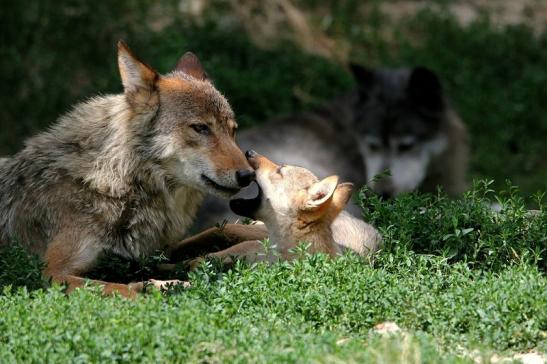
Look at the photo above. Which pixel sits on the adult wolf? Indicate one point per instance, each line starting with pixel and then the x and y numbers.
pixel 395 119
pixel 122 173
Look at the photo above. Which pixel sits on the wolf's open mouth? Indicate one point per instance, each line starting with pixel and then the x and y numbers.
pixel 247 206
pixel 216 186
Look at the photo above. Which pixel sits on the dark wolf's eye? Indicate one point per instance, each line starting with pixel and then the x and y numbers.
pixel 374 146
pixel 373 143
pixel 201 128
pixel 405 147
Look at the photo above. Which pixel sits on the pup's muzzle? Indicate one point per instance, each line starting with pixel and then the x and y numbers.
pixel 258 161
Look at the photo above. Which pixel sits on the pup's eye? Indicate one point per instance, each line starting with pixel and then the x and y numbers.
pixel 278 170
pixel 201 128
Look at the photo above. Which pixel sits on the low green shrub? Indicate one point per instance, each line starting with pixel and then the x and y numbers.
pixel 467 230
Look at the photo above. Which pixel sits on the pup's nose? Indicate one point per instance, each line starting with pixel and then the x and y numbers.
pixel 245 177
pixel 250 154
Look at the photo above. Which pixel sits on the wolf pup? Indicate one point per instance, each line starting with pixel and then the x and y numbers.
pixel 395 119
pixel 295 207
pixel 122 173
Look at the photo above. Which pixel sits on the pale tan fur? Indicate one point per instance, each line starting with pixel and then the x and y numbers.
pixel 296 208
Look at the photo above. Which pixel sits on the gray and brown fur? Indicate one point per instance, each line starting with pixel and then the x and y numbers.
pixel 122 173
pixel 390 107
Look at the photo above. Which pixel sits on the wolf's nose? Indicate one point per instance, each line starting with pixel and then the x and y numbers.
pixel 245 177
pixel 385 195
pixel 250 154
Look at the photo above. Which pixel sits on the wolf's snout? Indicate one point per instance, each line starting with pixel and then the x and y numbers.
pixel 245 177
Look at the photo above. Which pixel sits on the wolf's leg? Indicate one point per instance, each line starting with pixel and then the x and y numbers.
pixel 71 254
pixel 215 239
pixel 250 251
pixel 109 288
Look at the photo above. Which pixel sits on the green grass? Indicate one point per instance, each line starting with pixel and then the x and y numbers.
pixel 464 230
pixel 288 312
pixel 489 295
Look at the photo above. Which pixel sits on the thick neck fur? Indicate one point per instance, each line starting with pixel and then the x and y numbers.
pixel 98 143
pixel 449 169
pixel 316 233
pixel 90 169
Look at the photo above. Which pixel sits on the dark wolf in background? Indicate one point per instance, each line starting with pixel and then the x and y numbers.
pixel 395 119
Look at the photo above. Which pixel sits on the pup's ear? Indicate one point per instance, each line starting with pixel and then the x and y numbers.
pixel 189 64
pixel 138 79
pixel 319 198
pixel 425 90
pixel 340 198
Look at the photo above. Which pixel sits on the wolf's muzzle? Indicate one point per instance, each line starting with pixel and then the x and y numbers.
pixel 247 206
pixel 245 177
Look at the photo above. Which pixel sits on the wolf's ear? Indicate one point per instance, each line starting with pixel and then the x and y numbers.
pixel 319 198
pixel 135 74
pixel 425 90
pixel 365 80
pixel 190 64
pixel 363 75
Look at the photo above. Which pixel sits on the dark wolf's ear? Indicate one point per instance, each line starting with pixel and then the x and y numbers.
pixel 365 80
pixel 138 78
pixel 425 90
pixel 189 64
pixel 363 75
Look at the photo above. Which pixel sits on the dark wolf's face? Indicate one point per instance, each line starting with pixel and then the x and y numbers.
pixel 397 122
pixel 192 133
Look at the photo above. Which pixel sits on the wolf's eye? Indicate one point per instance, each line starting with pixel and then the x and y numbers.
pixel 405 147
pixel 374 147
pixel 201 128
pixel 373 143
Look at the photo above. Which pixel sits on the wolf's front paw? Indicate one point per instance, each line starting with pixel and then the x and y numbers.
pixel 194 263
pixel 163 285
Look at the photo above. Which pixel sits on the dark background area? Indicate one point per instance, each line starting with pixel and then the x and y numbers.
pixel 271 58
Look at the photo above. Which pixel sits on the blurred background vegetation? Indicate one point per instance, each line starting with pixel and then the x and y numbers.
pixel 278 56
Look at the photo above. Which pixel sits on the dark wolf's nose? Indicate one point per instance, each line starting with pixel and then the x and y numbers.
pixel 245 177
pixel 385 195
pixel 250 154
